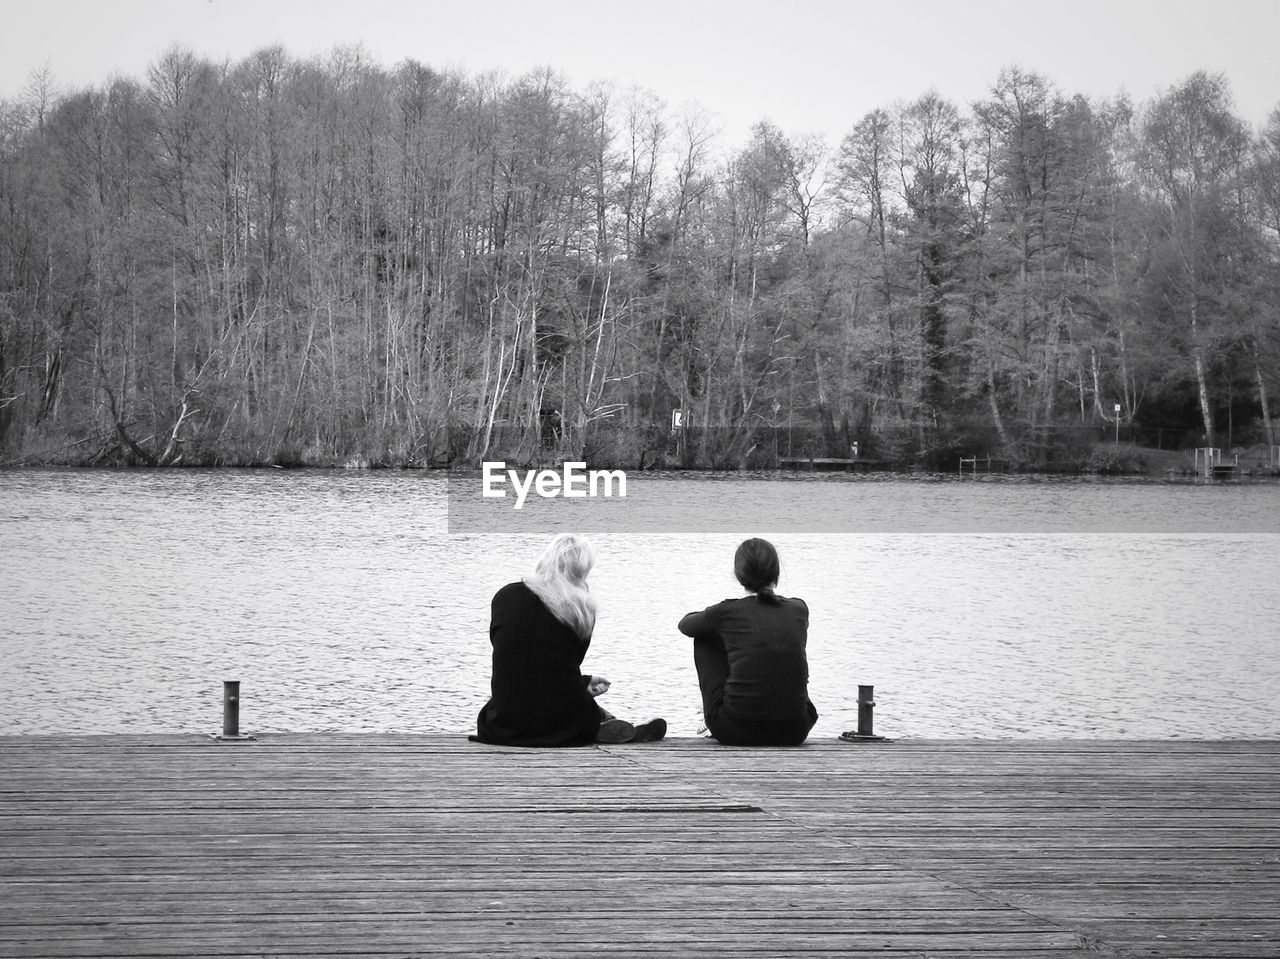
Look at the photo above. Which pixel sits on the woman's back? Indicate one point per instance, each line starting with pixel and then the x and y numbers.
pixel 539 695
pixel 764 644
pixel 768 668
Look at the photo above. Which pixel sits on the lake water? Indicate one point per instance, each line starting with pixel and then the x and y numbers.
pixel 358 601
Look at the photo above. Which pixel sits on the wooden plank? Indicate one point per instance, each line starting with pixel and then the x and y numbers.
pixel 1088 834
pixel 416 845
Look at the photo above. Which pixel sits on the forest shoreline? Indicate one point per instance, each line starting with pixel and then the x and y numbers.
pixel 1103 459
pixel 327 262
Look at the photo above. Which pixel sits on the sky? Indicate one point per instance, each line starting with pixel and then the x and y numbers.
pixel 806 65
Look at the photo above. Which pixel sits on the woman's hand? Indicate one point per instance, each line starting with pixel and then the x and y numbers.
pixel 598 686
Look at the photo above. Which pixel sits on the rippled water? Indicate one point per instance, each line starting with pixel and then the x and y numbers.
pixel 341 601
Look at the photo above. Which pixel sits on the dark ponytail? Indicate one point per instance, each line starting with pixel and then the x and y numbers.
pixel 755 564
pixel 767 595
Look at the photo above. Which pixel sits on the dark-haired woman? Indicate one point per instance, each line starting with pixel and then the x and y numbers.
pixel 750 657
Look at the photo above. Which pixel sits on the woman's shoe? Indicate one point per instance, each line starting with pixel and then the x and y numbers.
pixel 650 732
pixel 615 731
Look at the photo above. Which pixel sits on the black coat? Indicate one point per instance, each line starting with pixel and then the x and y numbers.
pixel 539 693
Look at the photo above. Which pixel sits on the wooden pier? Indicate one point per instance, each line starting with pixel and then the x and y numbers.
pixel 829 463
pixel 400 846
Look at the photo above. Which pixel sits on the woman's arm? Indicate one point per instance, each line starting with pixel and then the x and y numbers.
pixel 700 623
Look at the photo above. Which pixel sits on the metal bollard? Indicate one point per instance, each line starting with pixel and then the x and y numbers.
pixel 865 732
pixel 231 713
pixel 231 708
pixel 866 705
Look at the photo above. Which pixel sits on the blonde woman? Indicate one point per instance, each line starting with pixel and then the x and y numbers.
pixel 540 628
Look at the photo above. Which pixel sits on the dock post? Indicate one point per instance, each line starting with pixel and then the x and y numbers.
pixel 865 732
pixel 866 706
pixel 231 708
pixel 231 713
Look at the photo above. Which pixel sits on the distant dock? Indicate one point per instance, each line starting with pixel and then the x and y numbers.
pixel 859 465
pixel 427 845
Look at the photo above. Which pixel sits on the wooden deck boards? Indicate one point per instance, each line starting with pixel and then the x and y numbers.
pixel 365 845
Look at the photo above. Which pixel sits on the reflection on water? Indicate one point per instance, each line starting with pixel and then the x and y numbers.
pixel 341 602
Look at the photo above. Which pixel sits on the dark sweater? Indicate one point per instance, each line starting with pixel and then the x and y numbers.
pixel 539 693
pixel 765 646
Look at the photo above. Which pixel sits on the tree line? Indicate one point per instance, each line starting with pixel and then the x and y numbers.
pixel 326 261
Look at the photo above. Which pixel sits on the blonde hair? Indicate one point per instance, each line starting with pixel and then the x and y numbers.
pixel 559 579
